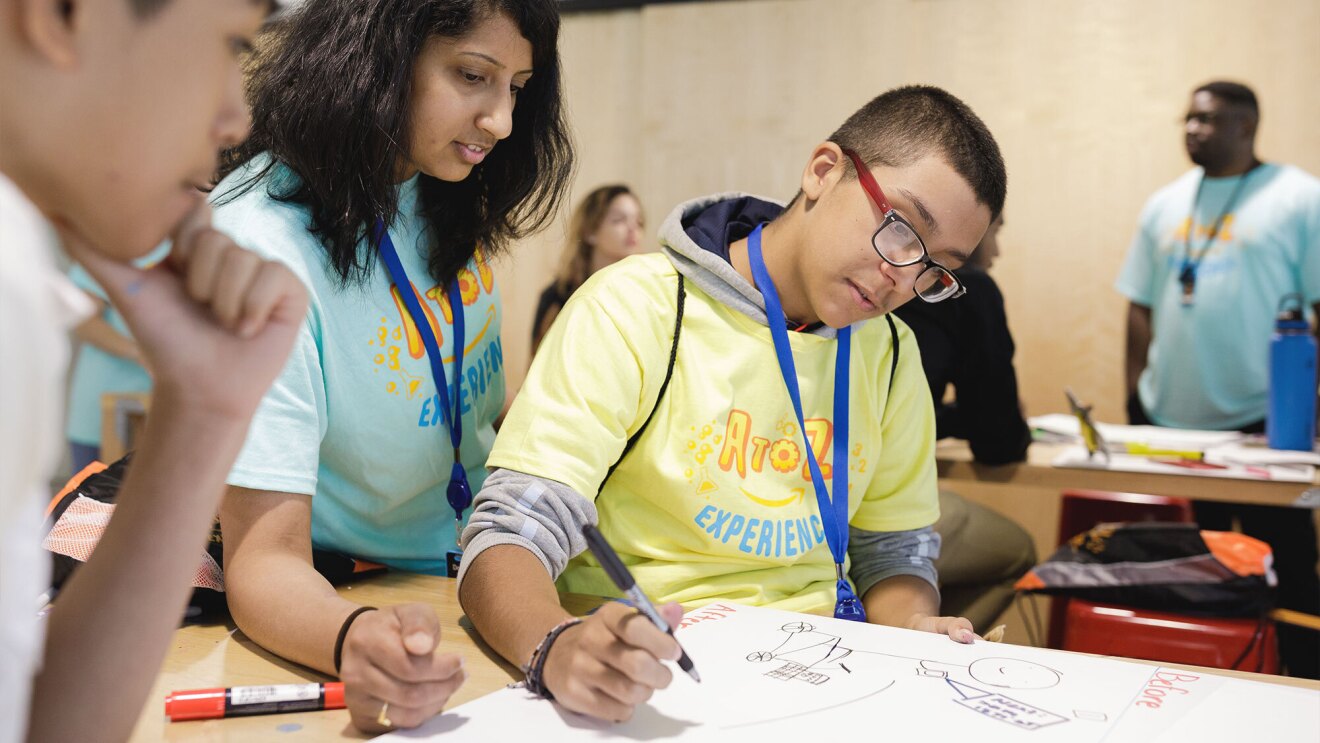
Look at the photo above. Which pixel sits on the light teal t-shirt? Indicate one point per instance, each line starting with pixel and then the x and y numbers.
pixel 354 419
pixel 1208 364
pixel 98 372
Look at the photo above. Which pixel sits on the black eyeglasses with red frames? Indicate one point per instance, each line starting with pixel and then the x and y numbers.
pixel 898 243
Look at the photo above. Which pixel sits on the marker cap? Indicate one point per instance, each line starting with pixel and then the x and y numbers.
pixel 199 704
pixel 334 696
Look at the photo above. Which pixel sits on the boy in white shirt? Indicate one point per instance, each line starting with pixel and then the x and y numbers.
pixel 111 115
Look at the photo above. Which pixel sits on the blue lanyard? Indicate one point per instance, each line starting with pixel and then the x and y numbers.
pixel 459 492
pixel 833 511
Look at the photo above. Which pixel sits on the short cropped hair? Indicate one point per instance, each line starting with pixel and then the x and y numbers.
pixel 905 124
pixel 1234 94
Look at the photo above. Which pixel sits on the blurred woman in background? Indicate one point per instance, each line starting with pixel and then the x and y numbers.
pixel 606 227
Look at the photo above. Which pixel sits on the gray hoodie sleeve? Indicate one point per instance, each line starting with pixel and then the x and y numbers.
pixel 877 555
pixel 546 518
pixel 540 515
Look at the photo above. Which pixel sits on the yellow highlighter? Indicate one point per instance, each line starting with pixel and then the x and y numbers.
pixel 1146 450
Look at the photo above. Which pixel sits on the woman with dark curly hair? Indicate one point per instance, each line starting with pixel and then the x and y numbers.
pixel 397 147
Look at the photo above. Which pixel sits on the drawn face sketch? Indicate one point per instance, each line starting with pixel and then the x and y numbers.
pixel 1008 673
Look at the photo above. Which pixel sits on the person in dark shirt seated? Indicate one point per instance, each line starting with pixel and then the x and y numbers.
pixel 966 343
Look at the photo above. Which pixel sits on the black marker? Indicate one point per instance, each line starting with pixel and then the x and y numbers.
pixel 618 573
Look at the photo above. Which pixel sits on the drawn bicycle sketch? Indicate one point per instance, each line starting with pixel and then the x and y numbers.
pixel 808 655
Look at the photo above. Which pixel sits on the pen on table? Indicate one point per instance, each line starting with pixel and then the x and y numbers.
pixel 618 573
pixel 238 701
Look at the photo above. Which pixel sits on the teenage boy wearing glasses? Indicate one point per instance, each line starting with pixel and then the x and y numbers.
pixel 1216 251
pixel 726 494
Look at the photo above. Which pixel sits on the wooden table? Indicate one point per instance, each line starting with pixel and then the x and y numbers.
pixel 218 655
pixel 209 656
pixel 954 461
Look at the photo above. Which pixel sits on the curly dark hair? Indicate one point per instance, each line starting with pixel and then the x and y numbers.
pixel 329 86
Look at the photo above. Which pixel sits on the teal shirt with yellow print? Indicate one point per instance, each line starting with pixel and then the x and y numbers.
pixel 1208 362
pixel 354 420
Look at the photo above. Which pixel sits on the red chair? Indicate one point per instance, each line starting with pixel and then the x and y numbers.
pixel 1083 509
pixel 1106 629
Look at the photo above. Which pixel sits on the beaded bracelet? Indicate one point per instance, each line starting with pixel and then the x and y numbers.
pixel 535 667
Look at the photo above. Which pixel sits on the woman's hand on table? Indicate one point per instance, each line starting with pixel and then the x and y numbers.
pixel 393 678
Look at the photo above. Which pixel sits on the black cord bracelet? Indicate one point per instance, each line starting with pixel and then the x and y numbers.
pixel 343 633
pixel 535 668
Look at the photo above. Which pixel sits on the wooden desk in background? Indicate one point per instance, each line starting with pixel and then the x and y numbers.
pixel 954 461
pixel 217 655
pixel 1030 493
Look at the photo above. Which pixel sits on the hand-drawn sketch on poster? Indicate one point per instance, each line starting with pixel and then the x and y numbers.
pixel 771 675
pixel 806 654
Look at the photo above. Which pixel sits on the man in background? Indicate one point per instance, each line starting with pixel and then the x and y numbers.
pixel 1215 253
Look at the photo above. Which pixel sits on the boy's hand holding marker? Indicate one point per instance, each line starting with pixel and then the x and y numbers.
pixel 612 661
pixel 391 672
pixel 214 321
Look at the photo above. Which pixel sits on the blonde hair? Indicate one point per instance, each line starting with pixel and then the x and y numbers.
pixel 575 263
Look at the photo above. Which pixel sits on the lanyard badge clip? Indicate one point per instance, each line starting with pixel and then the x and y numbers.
pixel 846 604
pixel 459 495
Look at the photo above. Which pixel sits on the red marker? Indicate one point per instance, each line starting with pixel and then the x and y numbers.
pixel 237 701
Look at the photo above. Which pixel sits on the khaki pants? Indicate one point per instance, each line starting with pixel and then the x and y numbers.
pixel 982 556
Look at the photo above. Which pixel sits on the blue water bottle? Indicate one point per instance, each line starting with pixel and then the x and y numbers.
pixel 1291 421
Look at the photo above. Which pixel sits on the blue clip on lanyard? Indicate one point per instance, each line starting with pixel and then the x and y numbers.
pixel 833 511
pixel 459 492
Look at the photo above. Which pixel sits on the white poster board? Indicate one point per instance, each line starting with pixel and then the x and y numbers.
pixel 770 675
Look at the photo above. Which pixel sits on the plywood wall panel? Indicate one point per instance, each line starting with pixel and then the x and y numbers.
pixel 1085 97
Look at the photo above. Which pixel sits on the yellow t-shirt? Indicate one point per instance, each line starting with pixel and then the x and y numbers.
pixel 715 500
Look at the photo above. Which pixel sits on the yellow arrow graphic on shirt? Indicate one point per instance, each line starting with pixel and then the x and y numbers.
pixel 797 494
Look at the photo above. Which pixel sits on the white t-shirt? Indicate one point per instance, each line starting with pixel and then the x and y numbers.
pixel 38 305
